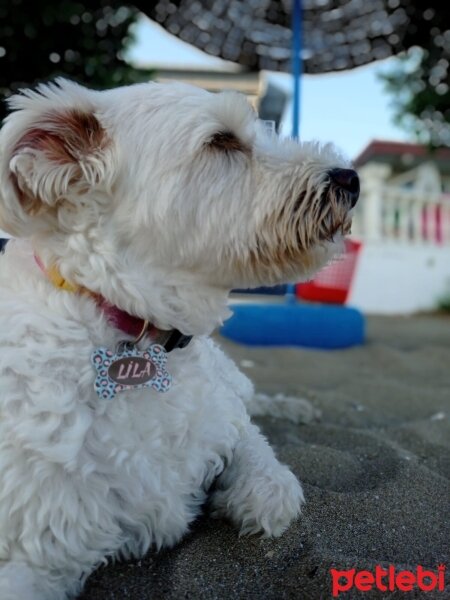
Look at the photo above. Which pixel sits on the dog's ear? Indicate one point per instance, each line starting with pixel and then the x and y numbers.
pixel 54 149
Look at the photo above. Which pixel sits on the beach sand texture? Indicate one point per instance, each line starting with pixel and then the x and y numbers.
pixel 375 468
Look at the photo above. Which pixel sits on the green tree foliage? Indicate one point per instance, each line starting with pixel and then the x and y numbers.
pixel 419 80
pixel 82 40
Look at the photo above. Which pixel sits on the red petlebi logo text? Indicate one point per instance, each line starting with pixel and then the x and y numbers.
pixel 387 580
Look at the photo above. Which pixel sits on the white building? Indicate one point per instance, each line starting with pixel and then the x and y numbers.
pixel 403 220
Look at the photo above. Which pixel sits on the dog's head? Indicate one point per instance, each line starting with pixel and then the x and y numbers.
pixel 164 197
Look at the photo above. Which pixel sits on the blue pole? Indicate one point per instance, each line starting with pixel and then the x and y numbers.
pixel 296 63
pixel 296 73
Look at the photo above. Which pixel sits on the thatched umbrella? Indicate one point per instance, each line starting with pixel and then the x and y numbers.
pixel 337 34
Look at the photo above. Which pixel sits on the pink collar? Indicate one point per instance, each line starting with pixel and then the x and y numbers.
pixel 122 320
pixel 128 324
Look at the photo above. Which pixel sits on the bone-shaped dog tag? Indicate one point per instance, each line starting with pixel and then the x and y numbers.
pixel 129 368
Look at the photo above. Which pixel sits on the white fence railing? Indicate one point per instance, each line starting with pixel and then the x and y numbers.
pixel 392 213
pixel 411 217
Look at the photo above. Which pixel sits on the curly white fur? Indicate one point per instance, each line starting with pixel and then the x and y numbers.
pixel 126 192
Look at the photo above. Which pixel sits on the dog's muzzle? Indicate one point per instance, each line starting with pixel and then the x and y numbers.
pixel 346 180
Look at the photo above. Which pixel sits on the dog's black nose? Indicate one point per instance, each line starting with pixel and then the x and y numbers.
pixel 348 180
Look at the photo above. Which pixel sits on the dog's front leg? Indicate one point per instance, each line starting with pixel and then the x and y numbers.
pixel 21 581
pixel 255 491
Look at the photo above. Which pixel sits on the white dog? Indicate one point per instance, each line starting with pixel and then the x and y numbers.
pixel 138 209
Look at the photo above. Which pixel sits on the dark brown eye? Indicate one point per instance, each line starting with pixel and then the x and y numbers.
pixel 227 142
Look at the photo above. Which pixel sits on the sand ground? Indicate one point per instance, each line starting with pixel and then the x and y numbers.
pixel 375 469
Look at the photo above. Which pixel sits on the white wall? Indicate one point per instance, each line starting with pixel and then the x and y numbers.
pixel 396 278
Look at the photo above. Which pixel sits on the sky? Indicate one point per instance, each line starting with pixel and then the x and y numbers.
pixel 349 109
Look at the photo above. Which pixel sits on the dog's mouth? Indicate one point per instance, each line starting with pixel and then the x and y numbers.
pixel 333 217
pixel 325 218
pixel 294 240
pixel 334 229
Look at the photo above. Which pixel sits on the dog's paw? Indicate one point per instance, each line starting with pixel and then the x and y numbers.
pixel 264 504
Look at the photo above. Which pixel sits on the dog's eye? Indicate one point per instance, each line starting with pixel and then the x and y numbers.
pixel 226 142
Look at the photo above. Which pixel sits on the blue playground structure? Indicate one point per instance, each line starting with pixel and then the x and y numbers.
pixel 320 326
